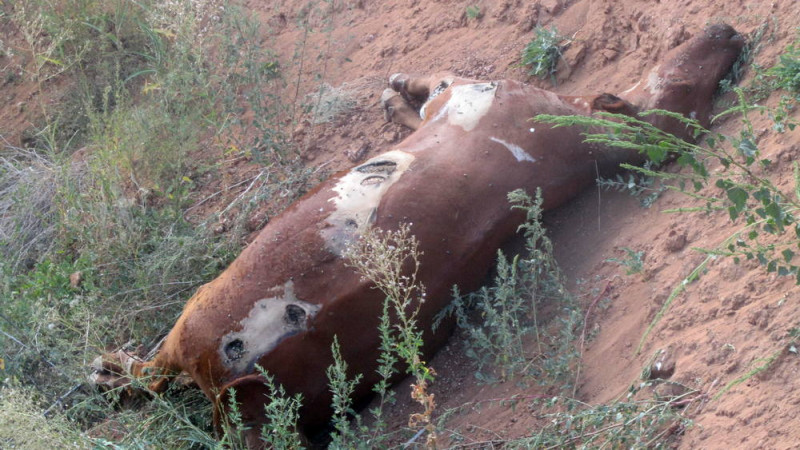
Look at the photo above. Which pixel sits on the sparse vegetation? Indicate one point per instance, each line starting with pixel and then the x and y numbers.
pixel 543 52
pixel 96 240
pixel 742 188
pixel 510 338
pixel 633 261
pixel 473 12
pixel 381 256
pixel 635 184
pixel 787 71
pixel 631 423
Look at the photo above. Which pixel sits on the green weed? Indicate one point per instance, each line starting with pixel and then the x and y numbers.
pixel 97 247
pixel 629 423
pixel 500 341
pixel 282 413
pixel 473 12
pixel 633 261
pixel 635 184
pixel 23 423
pixel 741 189
pixel 787 71
pixel 542 53
pixel 382 257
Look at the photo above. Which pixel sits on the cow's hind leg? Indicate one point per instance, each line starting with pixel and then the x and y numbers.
pixel 397 109
pixel 408 93
pixel 420 88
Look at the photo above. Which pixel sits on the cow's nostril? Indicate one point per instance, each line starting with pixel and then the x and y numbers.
pixel 235 349
pixel 294 314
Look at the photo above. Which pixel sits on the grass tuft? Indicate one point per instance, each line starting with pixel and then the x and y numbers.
pixel 543 52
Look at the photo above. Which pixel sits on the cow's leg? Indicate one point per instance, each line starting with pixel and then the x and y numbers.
pixel 397 109
pixel 420 88
pixel 119 369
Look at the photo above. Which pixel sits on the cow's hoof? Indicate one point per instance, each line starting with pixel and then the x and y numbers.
pixel 112 371
pixel 390 101
pixel 398 82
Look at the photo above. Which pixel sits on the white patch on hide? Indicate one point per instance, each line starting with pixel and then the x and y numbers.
pixel 270 321
pixel 439 114
pixel 515 150
pixel 654 81
pixel 468 104
pixel 630 89
pixel 360 192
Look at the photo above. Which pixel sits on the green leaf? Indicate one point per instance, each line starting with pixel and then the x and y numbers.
pixel 656 153
pixel 748 148
pixel 787 255
pixel 738 196
pixel 772 266
pixel 762 259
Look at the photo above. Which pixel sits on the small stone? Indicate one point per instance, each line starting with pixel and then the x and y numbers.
pixel 675 241
pixel 390 136
pixel 609 54
pixel 664 365
pixel 670 391
pixel 358 154
pixel 552 6
pixel 75 279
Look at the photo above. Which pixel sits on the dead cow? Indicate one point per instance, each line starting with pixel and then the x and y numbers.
pixel 282 301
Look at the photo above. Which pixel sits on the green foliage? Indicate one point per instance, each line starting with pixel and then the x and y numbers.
pixel 24 425
pixel 542 53
pixel 473 12
pixel 500 341
pixel 151 115
pixel 623 424
pixel 787 71
pixel 391 260
pixel 633 262
pixel 636 184
pixel 742 189
pixel 342 390
pixel 282 413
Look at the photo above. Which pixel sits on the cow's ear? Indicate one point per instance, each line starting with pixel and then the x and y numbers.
pixel 613 104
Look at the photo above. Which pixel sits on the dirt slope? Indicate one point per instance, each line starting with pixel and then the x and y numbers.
pixel 719 329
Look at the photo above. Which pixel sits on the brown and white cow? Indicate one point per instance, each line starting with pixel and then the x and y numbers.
pixel 282 301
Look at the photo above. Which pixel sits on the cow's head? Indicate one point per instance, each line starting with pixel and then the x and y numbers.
pixel 686 81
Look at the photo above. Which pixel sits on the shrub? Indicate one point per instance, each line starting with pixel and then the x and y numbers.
pixel 542 53
pixel 787 71
pixel 509 338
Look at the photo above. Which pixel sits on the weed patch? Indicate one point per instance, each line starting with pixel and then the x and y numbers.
pixel 510 338
pixel 542 53
pixel 96 243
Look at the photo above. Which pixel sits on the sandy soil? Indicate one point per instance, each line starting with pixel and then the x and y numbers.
pixel 719 329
